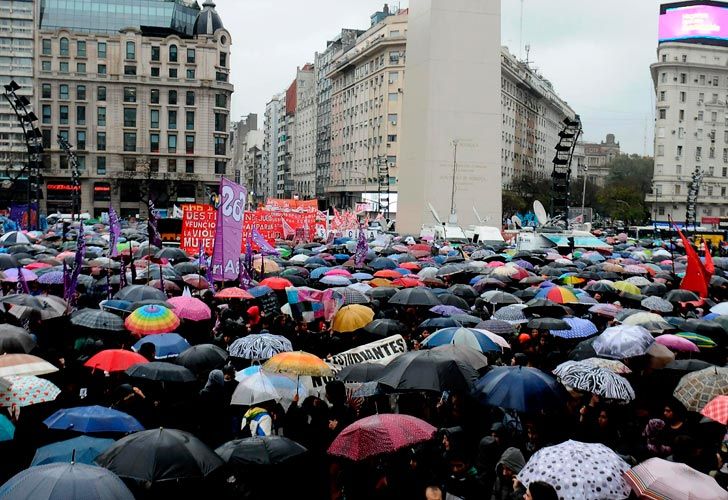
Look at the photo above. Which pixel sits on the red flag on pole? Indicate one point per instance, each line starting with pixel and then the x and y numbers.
pixel 696 277
pixel 709 266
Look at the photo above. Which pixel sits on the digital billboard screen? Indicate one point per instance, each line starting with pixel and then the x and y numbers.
pixel 693 22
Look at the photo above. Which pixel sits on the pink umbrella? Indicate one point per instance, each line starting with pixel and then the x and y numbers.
pixel 495 263
pixel 11 275
pixel 338 272
pixel 192 309
pixel 675 343
pixel 380 434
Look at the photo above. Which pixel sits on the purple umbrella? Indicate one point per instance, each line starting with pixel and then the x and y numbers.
pixel 51 278
pixel 11 275
pixel 444 310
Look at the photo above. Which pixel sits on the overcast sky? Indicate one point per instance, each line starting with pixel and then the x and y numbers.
pixel 596 53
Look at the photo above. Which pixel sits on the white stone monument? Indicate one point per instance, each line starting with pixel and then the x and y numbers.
pixel 452 101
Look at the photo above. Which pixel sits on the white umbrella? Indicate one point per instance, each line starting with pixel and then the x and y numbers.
pixel 623 341
pixel 262 386
pixel 259 346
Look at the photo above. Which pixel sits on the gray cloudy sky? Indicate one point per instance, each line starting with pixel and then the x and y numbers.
pixel 596 53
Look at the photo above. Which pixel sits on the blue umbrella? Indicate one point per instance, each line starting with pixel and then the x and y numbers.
pixel 527 390
pixel 462 336
pixel 362 276
pixel 342 257
pixel 7 429
pixel 93 419
pixel 259 291
pixel 82 449
pixel 65 480
pixel 168 345
pixel 382 263
pixel 580 328
pixel 51 278
pixel 335 280
pixel 319 272
pixel 403 271
pixel 443 310
pixel 116 305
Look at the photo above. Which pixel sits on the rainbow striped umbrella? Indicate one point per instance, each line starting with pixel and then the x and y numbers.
pixel 699 340
pixel 151 319
pixel 558 294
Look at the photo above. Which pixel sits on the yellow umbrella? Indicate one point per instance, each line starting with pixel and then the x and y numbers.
pixel 381 282
pixel 626 287
pixel 261 264
pixel 298 363
pixel 352 317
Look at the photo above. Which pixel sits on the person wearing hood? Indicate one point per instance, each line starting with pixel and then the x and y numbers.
pixel 507 487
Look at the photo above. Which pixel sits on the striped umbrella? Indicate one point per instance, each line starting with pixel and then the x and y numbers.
pixel 462 336
pixel 580 328
pixel 558 294
pixel 259 346
pixel 151 319
pixel 609 364
pixel 27 390
pixel 701 341
pixel 591 378
pixel 658 479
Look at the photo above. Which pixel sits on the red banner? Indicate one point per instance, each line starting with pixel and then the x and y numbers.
pixel 198 228
pixel 290 204
pixel 270 223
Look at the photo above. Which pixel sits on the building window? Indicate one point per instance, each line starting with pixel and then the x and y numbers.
pixel 190 166
pixel 172 53
pixel 172 143
pixel 393 96
pixel 220 143
pixel 393 57
pixel 46 113
pixel 663 114
pixel 129 94
pixel 80 115
pixel 101 50
pixel 190 74
pixel 46 92
pixel 190 120
pixel 662 95
pixel 81 48
pixel 660 150
pixel 392 138
pixel 221 77
pixel 681 115
pixel 130 70
pixel 100 165
pixel 63 112
pixel 155 72
pixel 154 143
pixel 47 51
pixel 101 117
pixel 80 139
pixel 64 46
pixel 220 101
pixel 678 169
pixel 154 118
pixel 172 119
pixel 661 210
pixel 173 72
pixel 45 65
pixel 698 153
pixel 392 118
pixel 154 164
pixel 190 144
pixel 700 116
pixel 130 141
pixel 101 94
pixel 393 76
pixel 101 69
pixel 191 56
pixel 223 59
pixel 172 97
pixel 220 122
pixel 683 78
pixel 101 141
pixel 81 92
pixel 220 167
pixel 63 159
pixel 155 52
pixel 130 51
pixel 130 117
pixel 81 162
pixel 63 67
pixel 172 165
pixel 154 96
pixel 190 98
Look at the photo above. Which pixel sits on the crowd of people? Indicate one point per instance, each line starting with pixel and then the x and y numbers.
pixel 554 350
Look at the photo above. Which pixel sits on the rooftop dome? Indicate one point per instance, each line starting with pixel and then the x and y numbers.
pixel 208 21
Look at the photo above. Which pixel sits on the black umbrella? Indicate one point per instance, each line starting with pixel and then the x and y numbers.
pixel 385 327
pixel 171 253
pixel 712 329
pixel 583 350
pixel 497 326
pixel 600 287
pixel 500 298
pixel 136 293
pixel 202 358
pixel 268 450
pixel 687 365
pixel 438 323
pixel 160 455
pixel 381 263
pixel 527 294
pixel 47 306
pixel 187 268
pixel 160 371
pixel 449 299
pixel 545 307
pixel 8 262
pixel 97 319
pixel 466 292
pixel 428 370
pixel 361 372
pixel 681 296
pixel 381 293
pixel 466 319
pixel 15 340
pixel 418 296
pixel 450 270
pixel 548 324
pixel 654 289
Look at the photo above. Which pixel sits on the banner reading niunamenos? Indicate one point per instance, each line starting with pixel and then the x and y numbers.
pixel 229 231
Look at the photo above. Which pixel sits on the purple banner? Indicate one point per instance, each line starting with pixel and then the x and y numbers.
pixel 229 231
pixel 699 21
pixel 19 215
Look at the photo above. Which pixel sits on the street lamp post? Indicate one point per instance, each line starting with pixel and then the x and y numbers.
pixel 453 217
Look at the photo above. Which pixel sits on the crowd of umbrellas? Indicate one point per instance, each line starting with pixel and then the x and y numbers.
pixel 521 334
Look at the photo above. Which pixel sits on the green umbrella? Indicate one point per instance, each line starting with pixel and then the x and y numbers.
pixel 699 340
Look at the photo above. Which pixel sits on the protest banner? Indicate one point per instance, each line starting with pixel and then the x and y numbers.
pixel 198 228
pixel 270 223
pixel 229 231
pixel 291 204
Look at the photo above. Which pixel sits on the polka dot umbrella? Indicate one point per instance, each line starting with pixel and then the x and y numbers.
pixel 578 470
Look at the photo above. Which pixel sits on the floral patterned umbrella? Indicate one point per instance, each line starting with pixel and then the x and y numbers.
pixel 26 390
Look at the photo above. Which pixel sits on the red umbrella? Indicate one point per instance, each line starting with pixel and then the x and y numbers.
pixel 411 266
pixel 717 409
pixel 387 273
pixel 407 282
pixel 233 293
pixel 276 283
pixel 114 360
pixel 378 434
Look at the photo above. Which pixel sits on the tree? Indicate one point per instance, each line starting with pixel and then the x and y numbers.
pixel 629 182
pixel 523 191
